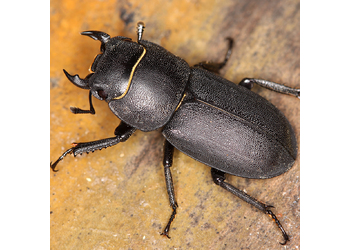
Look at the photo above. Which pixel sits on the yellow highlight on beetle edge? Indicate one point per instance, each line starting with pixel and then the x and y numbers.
pixel 132 73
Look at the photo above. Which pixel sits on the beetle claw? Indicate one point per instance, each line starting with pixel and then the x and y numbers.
pixel 286 238
pixel 52 166
pixel 97 35
pixel 166 233
pixel 285 242
pixel 77 81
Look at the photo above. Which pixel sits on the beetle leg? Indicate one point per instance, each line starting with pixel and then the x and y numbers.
pixel 249 82
pixel 216 66
pixel 122 133
pixel 167 163
pixel 75 110
pixel 219 179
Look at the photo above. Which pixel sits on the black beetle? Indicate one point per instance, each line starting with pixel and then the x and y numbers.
pixel 225 126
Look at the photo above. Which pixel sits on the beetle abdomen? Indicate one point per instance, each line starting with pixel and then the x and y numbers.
pixel 231 129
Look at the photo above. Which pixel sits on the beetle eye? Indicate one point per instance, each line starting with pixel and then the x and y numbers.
pixel 101 93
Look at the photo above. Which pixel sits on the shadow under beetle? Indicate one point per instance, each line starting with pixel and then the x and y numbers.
pixel 225 126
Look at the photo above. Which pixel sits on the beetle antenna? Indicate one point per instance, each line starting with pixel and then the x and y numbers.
pixel 140 28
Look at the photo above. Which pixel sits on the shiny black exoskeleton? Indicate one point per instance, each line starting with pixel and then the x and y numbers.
pixel 225 126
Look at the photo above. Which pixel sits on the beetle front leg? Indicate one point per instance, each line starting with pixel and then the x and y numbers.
pixel 219 179
pixel 122 133
pixel 76 110
pixel 167 163
pixel 280 88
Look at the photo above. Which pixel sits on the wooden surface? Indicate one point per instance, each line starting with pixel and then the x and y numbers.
pixel 116 198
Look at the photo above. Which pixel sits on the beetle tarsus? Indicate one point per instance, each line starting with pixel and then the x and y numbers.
pixel 219 179
pixel 167 163
pixel 122 133
pixel 166 232
pixel 75 110
pixel 53 166
pixel 172 217
pixel 274 218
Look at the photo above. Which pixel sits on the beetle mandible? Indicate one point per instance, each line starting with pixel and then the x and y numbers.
pixel 225 126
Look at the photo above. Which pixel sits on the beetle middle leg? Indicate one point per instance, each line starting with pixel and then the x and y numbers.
pixel 219 179
pixel 277 87
pixel 216 66
pixel 122 133
pixel 167 163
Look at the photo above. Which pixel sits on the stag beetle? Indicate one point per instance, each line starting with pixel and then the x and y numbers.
pixel 223 125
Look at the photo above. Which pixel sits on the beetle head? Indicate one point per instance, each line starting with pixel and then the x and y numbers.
pixel 112 69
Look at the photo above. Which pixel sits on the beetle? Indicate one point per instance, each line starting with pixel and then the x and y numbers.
pixel 223 125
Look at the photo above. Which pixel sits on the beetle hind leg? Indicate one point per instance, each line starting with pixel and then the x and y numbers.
pixel 219 179
pixel 216 66
pixel 167 163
